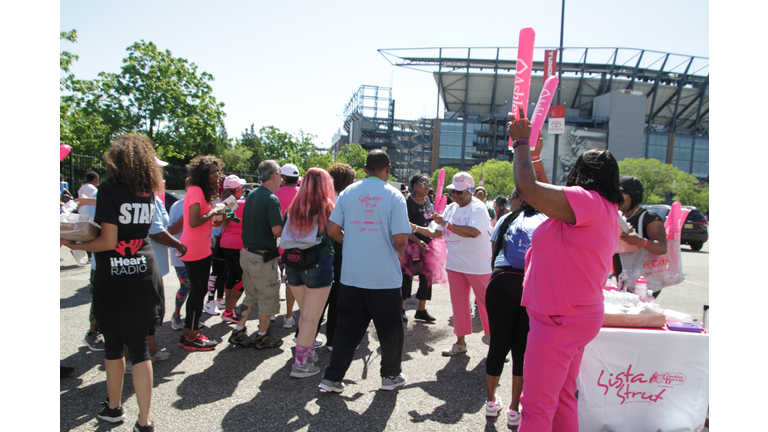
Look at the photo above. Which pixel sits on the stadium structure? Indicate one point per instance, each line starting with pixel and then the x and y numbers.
pixel 635 102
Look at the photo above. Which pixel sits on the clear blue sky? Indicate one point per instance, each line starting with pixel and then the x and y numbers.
pixel 295 65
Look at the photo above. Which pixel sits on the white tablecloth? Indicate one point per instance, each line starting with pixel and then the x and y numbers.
pixel 644 380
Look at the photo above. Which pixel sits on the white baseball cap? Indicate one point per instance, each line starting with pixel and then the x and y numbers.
pixel 462 181
pixel 233 182
pixel 290 170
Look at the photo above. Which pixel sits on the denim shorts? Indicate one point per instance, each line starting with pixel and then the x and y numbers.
pixel 320 276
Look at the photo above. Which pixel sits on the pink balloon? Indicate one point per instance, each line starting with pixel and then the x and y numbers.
pixel 542 108
pixel 439 201
pixel 523 72
pixel 64 151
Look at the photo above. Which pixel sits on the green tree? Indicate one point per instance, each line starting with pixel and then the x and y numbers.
pixel 497 177
pixel 163 97
pixel 287 148
pixel 250 140
pixel 354 155
pixel 660 179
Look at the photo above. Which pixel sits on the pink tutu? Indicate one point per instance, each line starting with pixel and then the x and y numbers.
pixel 431 263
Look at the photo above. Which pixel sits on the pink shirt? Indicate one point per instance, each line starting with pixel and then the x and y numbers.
pixel 232 234
pixel 197 240
pixel 286 194
pixel 567 265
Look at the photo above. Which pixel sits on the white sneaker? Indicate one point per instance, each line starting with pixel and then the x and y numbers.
pixel 493 407
pixel 176 322
pixel 221 304
pixel 272 318
pixel 513 417
pixel 211 309
pixel 288 322
pixel 160 355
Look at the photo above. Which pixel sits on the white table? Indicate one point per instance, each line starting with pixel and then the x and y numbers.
pixel 644 380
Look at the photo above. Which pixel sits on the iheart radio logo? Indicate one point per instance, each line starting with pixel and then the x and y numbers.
pixel 131 246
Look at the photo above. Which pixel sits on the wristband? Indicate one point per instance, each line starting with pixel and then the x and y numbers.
pixel 520 142
pixel 644 243
pixel 413 231
pixel 535 157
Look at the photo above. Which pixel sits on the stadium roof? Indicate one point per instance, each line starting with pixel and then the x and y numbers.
pixel 478 81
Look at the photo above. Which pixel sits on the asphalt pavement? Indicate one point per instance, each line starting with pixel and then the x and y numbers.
pixel 237 389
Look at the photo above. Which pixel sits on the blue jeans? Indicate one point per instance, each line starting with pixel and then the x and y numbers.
pixel 319 276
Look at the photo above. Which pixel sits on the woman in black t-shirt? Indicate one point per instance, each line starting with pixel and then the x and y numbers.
pixel 128 296
pixel 654 238
pixel 416 259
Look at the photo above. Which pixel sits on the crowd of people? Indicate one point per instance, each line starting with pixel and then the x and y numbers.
pixel 320 231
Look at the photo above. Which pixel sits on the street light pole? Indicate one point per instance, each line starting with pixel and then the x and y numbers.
pixel 559 87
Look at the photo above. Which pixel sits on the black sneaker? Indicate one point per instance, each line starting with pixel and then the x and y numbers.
pixel 112 415
pixel 148 428
pixel 240 337
pixel 199 343
pixel 424 316
pixel 405 318
pixel 266 341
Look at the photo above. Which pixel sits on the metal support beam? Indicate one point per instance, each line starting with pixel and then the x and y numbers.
pixel 653 102
pixel 696 123
pixel 680 86
pixel 439 84
pixel 577 96
pixel 631 85
pixel 613 67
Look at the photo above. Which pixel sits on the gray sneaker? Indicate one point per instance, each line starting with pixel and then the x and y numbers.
pixel 332 386
pixel 391 383
pixel 94 340
pixel 176 322
pixel 313 359
pixel 308 370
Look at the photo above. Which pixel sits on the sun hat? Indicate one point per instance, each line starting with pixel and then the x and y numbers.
pixel 462 181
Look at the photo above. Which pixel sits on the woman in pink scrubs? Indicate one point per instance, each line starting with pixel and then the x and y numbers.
pixel 566 268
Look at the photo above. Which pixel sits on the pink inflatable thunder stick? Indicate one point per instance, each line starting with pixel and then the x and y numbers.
pixel 523 73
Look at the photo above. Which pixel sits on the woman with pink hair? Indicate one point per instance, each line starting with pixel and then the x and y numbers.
pixel 304 229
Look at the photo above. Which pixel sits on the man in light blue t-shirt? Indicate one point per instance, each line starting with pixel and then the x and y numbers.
pixel 370 220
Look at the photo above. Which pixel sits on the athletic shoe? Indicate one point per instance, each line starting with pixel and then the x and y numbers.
pixel 332 386
pixel 302 372
pixel 94 340
pixel 176 322
pixel 128 367
pixel 455 349
pixel 288 322
pixel 160 355
pixel 272 318
pixel 240 337
pixel 330 348
pixel 199 343
pixel 210 308
pixel 148 428
pixel 492 408
pixel 266 341
pixel 230 316
pixel 313 359
pixel 405 318
pixel 112 415
pixel 513 417
pixel 423 315
pixel 393 382
pixel 221 304
pixel 66 371
pixel 318 342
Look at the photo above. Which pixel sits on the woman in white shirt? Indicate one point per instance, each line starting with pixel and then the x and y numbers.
pixel 467 230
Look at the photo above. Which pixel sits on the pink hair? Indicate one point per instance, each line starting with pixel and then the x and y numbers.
pixel 316 198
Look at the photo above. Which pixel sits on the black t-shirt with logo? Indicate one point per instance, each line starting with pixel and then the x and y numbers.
pixel 634 221
pixel 128 293
pixel 416 215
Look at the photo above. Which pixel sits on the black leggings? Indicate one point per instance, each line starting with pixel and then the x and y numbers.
pixel 136 342
pixel 425 287
pixel 508 321
pixel 234 271
pixel 218 269
pixel 198 272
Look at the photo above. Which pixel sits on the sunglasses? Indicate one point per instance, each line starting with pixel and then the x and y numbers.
pixel 454 191
pixel 424 183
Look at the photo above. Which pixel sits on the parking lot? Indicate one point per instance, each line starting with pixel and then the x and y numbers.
pixel 236 389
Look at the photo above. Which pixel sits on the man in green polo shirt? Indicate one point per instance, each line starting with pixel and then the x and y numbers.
pixel 262 224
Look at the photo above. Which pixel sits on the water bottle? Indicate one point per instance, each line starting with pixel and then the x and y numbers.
pixel 641 287
pixel 649 296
